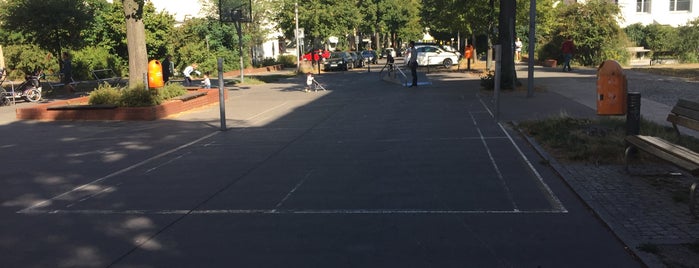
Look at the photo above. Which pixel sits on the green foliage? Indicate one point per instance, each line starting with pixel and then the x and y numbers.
pixel 139 96
pixel 52 25
pixel 681 40
pixel 171 90
pixel 267 62
pixel 105 94
pixel 190 45
pixel 595 141
pixel 594 28
pixel 288 61
pixel 95 58
pixel 24 59
pixel 488 80
pixel 136 96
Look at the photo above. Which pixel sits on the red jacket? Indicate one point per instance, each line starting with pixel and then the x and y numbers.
pixel 568 47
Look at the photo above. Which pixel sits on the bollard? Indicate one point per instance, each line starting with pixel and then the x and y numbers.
pixel 633 113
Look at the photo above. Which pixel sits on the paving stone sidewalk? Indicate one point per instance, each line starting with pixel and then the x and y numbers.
pixel 638 211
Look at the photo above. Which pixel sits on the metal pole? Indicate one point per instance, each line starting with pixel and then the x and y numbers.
pixel 532 44
pixel 145 80
pixel 221 96
pixel 298 46
pixel 498 75
pixel 239 27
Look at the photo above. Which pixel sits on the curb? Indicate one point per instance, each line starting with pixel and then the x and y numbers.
pixel 631 244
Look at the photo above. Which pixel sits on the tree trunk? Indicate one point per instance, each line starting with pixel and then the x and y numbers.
pixel 506 31
pixel 136 41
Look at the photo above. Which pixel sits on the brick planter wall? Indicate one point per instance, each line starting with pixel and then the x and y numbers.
pixel 170 107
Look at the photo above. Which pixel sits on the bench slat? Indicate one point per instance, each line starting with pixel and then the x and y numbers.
pixel 686 112
pixel 655 146
pixel 688 104
pixel 683 121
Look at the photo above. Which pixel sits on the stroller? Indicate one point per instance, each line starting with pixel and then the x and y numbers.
pixel 29 90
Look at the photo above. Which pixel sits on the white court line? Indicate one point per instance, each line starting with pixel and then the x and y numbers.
pixel 495 164
pixel 553 199
pixel 45 202
pixel 285 211
pixel 292 191
pixel 268 110
pixel 78 188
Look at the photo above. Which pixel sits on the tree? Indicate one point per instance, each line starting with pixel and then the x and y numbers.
pixel 506 32
pixel 51 24
pixel 594 28
pixel 136 40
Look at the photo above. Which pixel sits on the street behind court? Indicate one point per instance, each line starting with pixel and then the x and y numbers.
pixel 366 174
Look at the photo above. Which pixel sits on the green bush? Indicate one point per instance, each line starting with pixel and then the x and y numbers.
pixel 288 61
pixel 488 80
pixel 139 96
pixel 171 90
pixel 94 58
pixel 105 94
pixel 23 59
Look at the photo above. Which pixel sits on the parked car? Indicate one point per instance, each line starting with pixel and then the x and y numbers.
pixel 452 49
pixel 388 50
pixel 358 59
pixel 433 55
pixel 340 60
pixel 371 56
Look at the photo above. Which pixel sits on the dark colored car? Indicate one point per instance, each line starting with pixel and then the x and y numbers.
pixel 371 56
pixel 358 59
pixel 341 60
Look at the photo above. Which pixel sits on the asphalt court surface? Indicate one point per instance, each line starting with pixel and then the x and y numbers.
pixel 366 174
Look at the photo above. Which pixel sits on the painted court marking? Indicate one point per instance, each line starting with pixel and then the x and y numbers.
pixel 557 206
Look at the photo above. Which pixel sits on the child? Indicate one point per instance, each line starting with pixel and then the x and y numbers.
pixel 206 83
pixel 309 82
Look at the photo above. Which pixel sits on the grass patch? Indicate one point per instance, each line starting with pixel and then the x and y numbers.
pixel 689 71
pixel 594 140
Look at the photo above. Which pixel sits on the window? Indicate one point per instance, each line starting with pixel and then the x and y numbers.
pixel 643 6
pixel 680 5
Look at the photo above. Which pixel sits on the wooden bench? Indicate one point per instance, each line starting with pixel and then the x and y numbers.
pixel 661 57
pixel 686 114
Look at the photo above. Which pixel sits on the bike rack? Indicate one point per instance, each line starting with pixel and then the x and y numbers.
pixel 391 72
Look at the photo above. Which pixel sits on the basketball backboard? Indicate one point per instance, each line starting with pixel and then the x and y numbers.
pixel 235 10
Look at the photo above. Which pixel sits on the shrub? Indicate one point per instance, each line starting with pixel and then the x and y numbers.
pixel 170 91
pixel 488 80
pixel 139 96
pixel 268 62
pixel 105 94
pixel 23 59
pixel 94 58
pixel 288 61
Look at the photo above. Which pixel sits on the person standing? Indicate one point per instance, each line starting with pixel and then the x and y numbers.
pixel 168 68
pixel 412 62
pixel 518 49
pixel 188 74
pixel 567 48
pixel 67 72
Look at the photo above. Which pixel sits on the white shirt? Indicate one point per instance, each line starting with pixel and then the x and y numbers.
pixel 413 54
pixel 518 45
pixel 187 71
pixel 206 83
